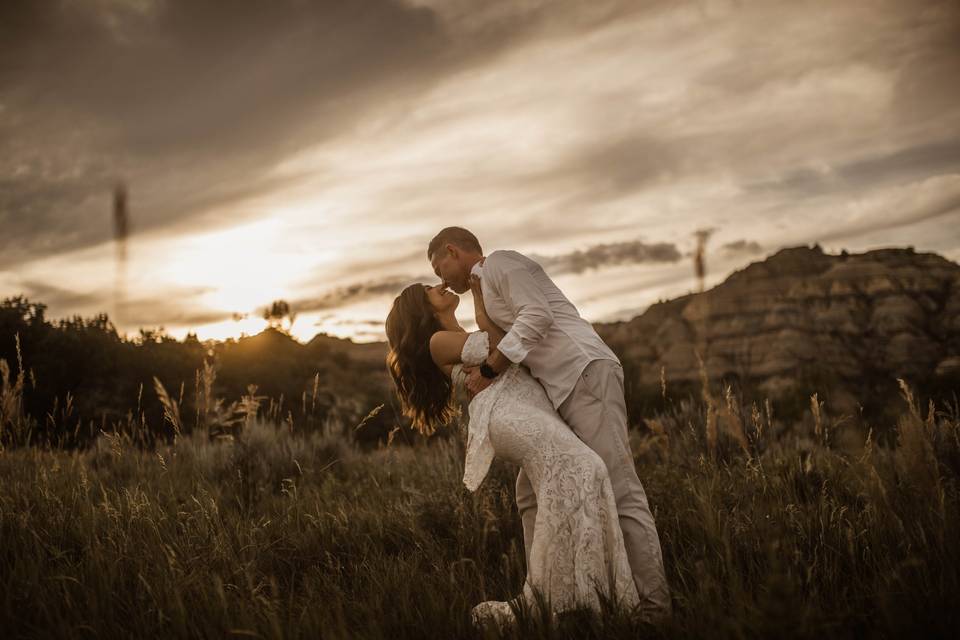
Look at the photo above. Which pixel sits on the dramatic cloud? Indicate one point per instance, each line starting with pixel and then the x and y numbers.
pixel 342 296
pixel 603 255
pixel 190 101
pixel 903 165
pixel 193 101
pixel 576 262
pixel 57 297
pixel 173 309
pixel 309 149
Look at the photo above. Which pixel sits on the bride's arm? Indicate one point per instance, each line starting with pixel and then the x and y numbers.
pixel 445 348
pixel 494 333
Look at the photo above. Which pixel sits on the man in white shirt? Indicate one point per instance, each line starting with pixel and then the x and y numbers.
pixel 582 377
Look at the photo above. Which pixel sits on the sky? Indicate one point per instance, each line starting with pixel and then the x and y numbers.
pixel 309 150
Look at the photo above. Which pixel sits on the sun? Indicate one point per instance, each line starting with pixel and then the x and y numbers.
pixel 238 269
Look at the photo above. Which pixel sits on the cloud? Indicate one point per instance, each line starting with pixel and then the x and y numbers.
pixel 175 307
pixel 194 73
pixel 360 128
pixel 59 298
pixel 606 169
pixel 189 101
pixel 144 314
pixel 192 102
pixel 742 247
pixel 898 207
pixel 576 262
pixel 349 294
pixel 352 323
pixel 903 165
pixel 606 255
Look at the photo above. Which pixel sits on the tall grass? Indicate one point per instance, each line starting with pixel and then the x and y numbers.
pixel 15 424
pixel 283 533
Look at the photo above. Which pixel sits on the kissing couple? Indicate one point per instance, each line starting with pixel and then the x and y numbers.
pixel 546 393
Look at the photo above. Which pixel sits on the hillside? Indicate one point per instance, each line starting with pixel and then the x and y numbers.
pixel 853 319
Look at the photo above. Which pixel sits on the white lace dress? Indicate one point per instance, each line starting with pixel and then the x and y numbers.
pixel 577 542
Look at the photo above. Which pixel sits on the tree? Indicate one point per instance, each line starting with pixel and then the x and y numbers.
pixel 276 312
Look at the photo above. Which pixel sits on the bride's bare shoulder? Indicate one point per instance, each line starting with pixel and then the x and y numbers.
pixel 445 346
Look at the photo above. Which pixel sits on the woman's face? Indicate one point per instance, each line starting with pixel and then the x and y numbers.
pixel 441 299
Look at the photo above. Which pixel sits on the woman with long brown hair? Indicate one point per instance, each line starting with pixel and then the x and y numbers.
pixel 577 555
pixel 425 390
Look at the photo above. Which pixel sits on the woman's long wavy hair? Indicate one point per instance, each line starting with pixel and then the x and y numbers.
pixel 426 393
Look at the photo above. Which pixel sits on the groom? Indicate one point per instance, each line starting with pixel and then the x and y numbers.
pixel 581 375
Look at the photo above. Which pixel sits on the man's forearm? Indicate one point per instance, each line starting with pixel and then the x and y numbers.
pixel 524 335
pixel 497 361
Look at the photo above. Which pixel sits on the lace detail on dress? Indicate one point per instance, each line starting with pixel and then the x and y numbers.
pixel 480 451
pixel 475 350
pixel 577 555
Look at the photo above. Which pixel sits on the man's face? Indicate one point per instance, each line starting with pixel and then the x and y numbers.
pixel 446 264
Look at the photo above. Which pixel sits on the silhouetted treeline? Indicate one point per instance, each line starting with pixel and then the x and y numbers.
pixel 81 376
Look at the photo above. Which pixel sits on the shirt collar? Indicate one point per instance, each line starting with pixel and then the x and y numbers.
pixel 477 269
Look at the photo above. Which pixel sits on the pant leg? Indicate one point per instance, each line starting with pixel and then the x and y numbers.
pixel 527 506
pixel 596 410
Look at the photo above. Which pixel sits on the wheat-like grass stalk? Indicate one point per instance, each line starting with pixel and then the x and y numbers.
pixel 768 413
pixel 15 425
pixel 208 378
pixel 370 416
pixel 249 405
pixel 660 438
pixel 819 428
pixel 756 420
pixel 197 399
pixel 914 455
pixel 734 421
pixel 711 405
pixel 171 409
pixel 9 401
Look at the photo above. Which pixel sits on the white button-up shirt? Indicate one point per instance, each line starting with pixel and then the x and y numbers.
pixel 544 331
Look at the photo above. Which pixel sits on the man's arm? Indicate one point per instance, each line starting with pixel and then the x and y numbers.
pixel 533 316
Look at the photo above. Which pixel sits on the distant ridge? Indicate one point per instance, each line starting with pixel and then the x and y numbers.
pixel 881 314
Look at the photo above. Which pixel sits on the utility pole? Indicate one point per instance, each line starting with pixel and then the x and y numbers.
pixel 121 230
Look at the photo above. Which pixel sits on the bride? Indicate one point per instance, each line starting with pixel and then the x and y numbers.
pixel 577 557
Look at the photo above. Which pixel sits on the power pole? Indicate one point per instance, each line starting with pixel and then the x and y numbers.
pixel 121 230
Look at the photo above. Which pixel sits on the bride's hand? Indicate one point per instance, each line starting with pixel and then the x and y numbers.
pixel 476 289
pixel 469 371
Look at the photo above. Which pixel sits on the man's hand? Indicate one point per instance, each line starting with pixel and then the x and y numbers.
pixel 476 382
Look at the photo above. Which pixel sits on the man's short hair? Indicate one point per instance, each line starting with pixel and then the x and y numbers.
pixel 454 235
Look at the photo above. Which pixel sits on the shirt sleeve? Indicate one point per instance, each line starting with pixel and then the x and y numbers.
pixel 526 299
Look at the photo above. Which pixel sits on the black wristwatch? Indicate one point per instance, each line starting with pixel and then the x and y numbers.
pixel 487 371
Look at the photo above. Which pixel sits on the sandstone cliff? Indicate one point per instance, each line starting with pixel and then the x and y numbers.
pixel 878 315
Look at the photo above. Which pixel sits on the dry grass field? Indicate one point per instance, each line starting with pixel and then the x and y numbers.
pixel 276 533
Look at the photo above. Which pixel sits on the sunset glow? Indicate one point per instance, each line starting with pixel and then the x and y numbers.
pixel 773 124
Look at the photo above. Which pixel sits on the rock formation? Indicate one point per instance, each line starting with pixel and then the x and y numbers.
pixel 882 314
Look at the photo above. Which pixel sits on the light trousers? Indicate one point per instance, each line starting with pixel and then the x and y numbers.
pixel 597 413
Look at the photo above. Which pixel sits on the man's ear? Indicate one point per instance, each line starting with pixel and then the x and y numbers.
pixel 453 250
